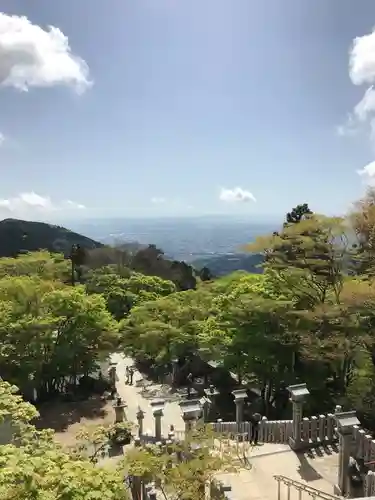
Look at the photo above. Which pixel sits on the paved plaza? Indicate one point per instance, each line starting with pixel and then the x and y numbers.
pixel 317 469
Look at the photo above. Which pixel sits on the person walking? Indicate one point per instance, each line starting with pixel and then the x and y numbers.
pixel 131 375
pixel 255 420
pixel 127 375
pixel 189 379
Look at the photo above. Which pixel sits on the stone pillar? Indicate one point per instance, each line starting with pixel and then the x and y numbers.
pixel 206 404
pixel 157 416
pixel 298 393
pixel 239 399
pixel 157 410
pixel 209 405
pixel 140 418
pixel 119 407
pixel 345 422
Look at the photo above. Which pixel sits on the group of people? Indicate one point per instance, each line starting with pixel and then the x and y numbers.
pixel 129 372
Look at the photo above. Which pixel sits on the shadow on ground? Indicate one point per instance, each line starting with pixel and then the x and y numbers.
pixel 306 470
pixel 58 415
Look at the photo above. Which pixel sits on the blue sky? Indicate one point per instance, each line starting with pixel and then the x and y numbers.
pixel 185 107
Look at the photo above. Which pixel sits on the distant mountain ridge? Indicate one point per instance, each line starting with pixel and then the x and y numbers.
pixel 17 236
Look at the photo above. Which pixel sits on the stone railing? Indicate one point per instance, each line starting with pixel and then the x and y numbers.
pixel 363 447
pixel 318 430
pixel 300 488
pixel 314 430
pixel 269 431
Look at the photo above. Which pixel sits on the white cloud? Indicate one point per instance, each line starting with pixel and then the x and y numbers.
pixel 236 194
pixel 361 72
pixel 2 139
pixel 30 204
pixel 69 204
pixel 31 56
pixel 362 59
pixel 368 171
pixel 362 117
pixel 158 200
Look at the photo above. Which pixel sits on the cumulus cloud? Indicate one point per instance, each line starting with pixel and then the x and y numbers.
pixel 362 72
pixel 236 194
pixel 31 56
pixel 158 200
pixel 367 172
pixel 362 116
pixel 26 204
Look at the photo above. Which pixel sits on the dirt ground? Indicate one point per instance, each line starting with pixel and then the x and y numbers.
pixel 67 418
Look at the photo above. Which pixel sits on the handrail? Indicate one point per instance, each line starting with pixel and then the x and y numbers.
pixel 304 487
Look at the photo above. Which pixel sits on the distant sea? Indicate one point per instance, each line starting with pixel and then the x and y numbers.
pixel 179 238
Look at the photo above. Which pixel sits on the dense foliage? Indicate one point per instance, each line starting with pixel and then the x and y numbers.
pixel 310 316
pixel 35 467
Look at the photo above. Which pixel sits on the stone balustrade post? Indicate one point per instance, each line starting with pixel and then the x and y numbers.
pixel 140 418
pixel 298 394
pixel 239 399
pixel 119 408
pixel 157 410
pixel 345 422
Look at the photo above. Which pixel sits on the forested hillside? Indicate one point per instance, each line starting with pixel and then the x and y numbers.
pixel 24 236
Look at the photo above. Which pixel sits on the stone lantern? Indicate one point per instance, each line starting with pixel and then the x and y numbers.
pixel 191 412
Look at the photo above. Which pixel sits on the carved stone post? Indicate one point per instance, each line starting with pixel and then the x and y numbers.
pixel 157 410
pixel 209 405
pixel 119 407
pixel 298 393
pixel 191 412
pixel 239 399
pixel 345 422
pixel 140 418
